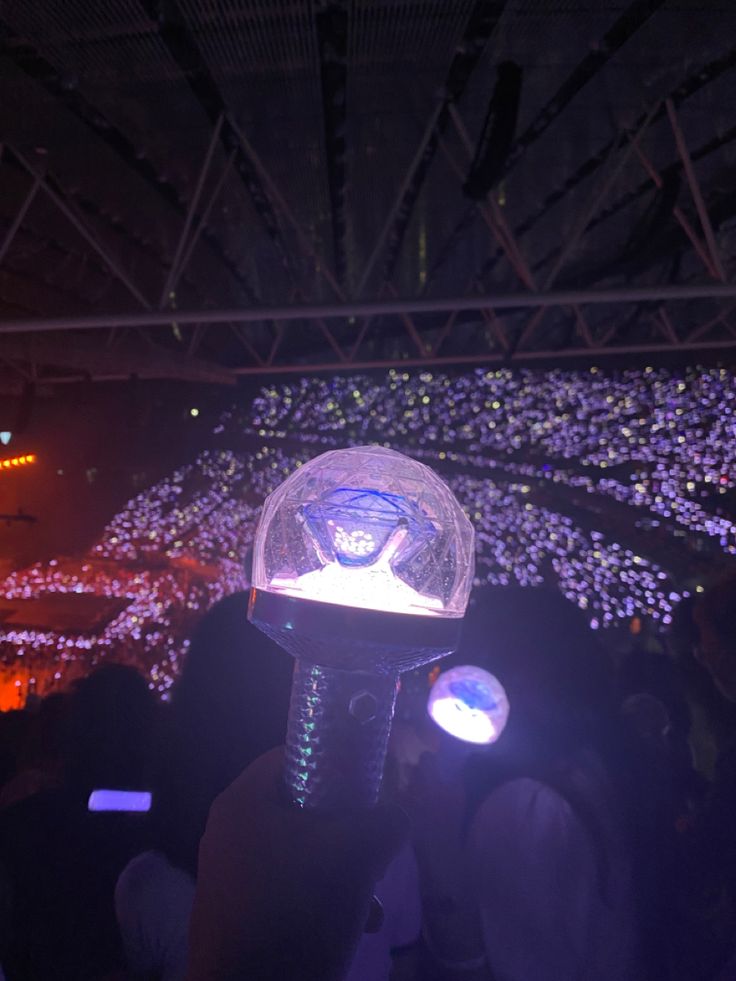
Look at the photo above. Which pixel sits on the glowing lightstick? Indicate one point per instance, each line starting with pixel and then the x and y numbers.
pixel 470 704
pixel 120 800
pixel 362 566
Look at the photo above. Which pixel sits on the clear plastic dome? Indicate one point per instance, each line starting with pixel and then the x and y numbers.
pixel 470 704
pixel 366 527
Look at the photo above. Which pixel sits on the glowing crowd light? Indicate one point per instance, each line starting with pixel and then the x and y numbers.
pixel 11 462
pixel 672 430
pixel 540 460
pixel 469 704
pixel 126 801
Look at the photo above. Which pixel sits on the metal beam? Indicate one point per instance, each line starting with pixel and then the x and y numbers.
pixel 597 56
pixel 421 346
pixel 585 354
pixel 240 334
pixel 494 217
pixel 204 218
pixel 583 328
pixel 332 29
pixel 498 229
pixel 281 205
pixel 669 328
pixel 429 130
pixel 497 328
pixel 702 76
pixel 22 52
pixel 176 33
pixel 368 308
pixel 173 273
pixel 112 264
pixel 278 337
pixel 446 328
pixel 702 329
pixel 695 190
pixel 677 211
pixel 492 357
pixel 483 19
pixel 18 220
pixel 573 239
pixel 326 332
pixel 88 356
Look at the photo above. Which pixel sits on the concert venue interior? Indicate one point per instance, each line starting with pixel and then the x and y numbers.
pixel 499 237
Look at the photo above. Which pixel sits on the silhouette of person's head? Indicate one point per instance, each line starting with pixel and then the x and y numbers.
pixel 541 649
pixel 229 706
pixel 110 730
pixel 715 617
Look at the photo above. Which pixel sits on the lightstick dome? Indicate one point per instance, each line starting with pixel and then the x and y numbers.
pixel 366 527
pixel 470 704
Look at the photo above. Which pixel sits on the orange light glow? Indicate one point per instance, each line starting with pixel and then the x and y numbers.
pixel 17 461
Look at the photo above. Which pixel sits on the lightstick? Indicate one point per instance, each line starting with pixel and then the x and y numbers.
pixel 120 800
pixel 362 567
pixel 470 704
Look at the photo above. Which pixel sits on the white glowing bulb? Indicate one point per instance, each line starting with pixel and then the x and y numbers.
pixel 470 704
pixel 368 587
pixel 374 588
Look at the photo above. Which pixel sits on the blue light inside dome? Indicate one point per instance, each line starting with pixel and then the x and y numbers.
pixel 120 800
pixel 474 694
pixel 354 525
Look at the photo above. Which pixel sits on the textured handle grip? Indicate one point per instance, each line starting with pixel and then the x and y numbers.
pixel 339 722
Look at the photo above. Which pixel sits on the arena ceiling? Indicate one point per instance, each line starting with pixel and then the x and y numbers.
pixel 200 189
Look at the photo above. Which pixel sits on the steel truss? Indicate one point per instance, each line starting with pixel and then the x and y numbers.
pixel 349 327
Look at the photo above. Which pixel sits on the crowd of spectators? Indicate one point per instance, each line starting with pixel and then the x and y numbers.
pixel 540 460
pixel 593 840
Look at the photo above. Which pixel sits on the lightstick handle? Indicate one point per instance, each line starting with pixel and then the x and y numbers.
pixel 339 723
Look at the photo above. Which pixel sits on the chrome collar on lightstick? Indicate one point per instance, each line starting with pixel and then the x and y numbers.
pixel 362 567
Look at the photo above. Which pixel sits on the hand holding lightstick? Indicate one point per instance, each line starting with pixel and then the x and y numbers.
pixel 362 567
